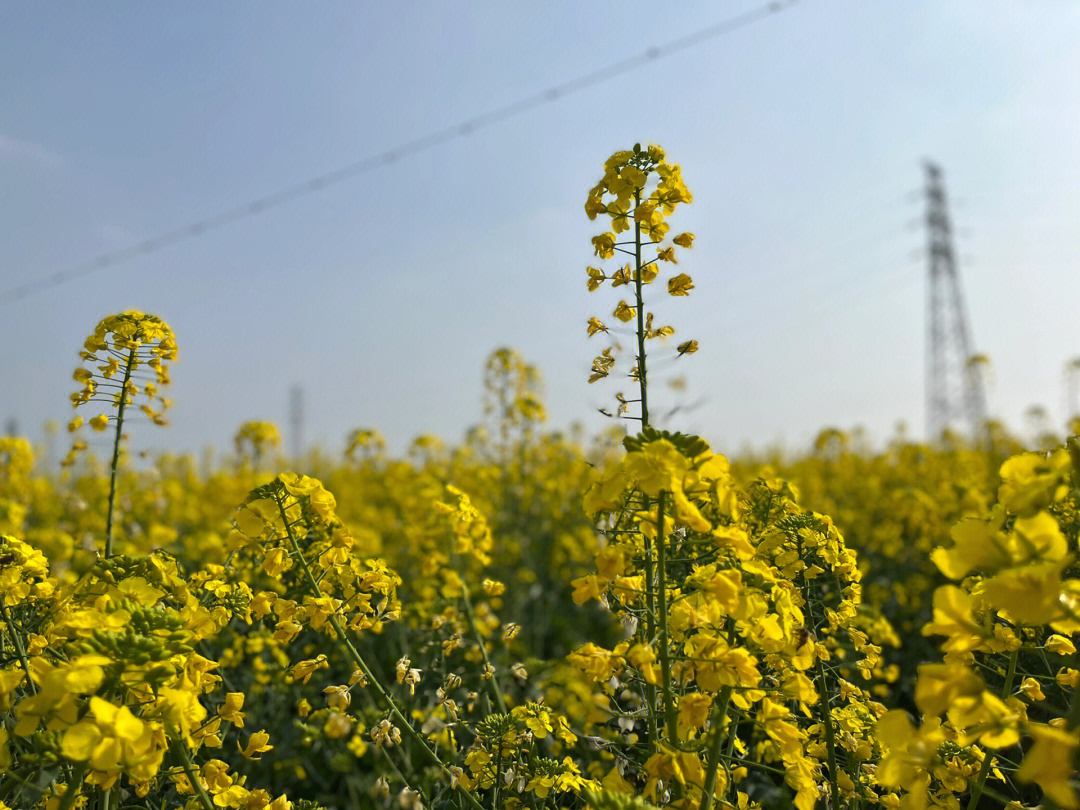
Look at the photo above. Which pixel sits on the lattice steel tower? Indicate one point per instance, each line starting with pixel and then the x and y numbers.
pixel 954 385
pixel 296 422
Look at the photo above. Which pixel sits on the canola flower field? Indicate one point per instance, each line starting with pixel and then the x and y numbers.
pixel 527 621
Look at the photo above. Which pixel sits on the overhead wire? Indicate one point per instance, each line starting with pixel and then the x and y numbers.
pixel 389 156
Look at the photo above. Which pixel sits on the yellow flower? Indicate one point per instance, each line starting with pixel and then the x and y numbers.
pixel 337 725
pixel 303 671
pixel 611 562
pixel 276 561
pixel 111 738
pixel 624 312
pixel 594 206
pixel 258 743
pixel 620 216
pixel 940 686
pixel 1049 763
pixel 597 662
pixel 693 711
pixel 613 781
pixel 954 618
pixel 716 664
pixel 798 687
pixel 1031 688
pixel 1030 482
pixel 604 245
pixel 680 285
pixel 1029 594
pixel 976 546
pixel 493 587
pixel 230 711
pixel 642 657
pixel 1059 645
pixel 657 466
pixel 588 587
pixel 602 365
pixel 253 439
pixel 910 752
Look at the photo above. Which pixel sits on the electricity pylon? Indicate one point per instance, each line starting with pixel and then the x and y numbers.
pixel 1072 389
pixel 954 384
pixel 296 421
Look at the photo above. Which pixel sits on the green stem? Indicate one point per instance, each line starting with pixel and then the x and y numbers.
pixel 650 632
pixel 72 789
pixel 116 452
pixel 638 290
pixel 358 659
pixel 988 758
pixel 494 682
pixel 661 613
pixel 643 396
pixel 717 741
pixel 401 776
pixel 18 647
pixel 830 736
pixel 189 770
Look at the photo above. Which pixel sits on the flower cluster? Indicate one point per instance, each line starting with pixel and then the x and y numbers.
pixel 253 440
pixel 1003 703
pixel 638 192
pixel 125 362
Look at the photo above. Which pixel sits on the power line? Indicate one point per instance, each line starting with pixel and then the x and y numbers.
pixel 389 156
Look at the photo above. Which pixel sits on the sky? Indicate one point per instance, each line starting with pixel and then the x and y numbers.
pixel 801 137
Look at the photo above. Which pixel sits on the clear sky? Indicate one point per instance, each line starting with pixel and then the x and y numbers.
pixel 801 137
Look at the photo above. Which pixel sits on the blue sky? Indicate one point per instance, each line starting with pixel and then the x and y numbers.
pixel 801 137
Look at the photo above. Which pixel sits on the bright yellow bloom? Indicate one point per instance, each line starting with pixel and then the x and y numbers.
pixel 680 284
pixel 657 466
pixel 303 671
pixel 604 245
pixel 693 711
pixel 1059 645
pixel 1049 764
pixel 258 743
pixel 910 752
pixel 230 711
pixel 940 686
pixel 624 312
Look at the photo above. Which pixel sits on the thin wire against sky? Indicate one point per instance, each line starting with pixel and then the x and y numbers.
pixel 389 156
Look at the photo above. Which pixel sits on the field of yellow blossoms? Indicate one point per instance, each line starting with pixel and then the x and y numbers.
pixel 527 620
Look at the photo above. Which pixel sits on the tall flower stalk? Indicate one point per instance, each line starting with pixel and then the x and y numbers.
pixel 135 348
pixel 640 187
pixel 704 576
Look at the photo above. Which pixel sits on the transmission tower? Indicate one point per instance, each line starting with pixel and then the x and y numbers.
pixel 296 421
pixel 1072 389
pixel 954 385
